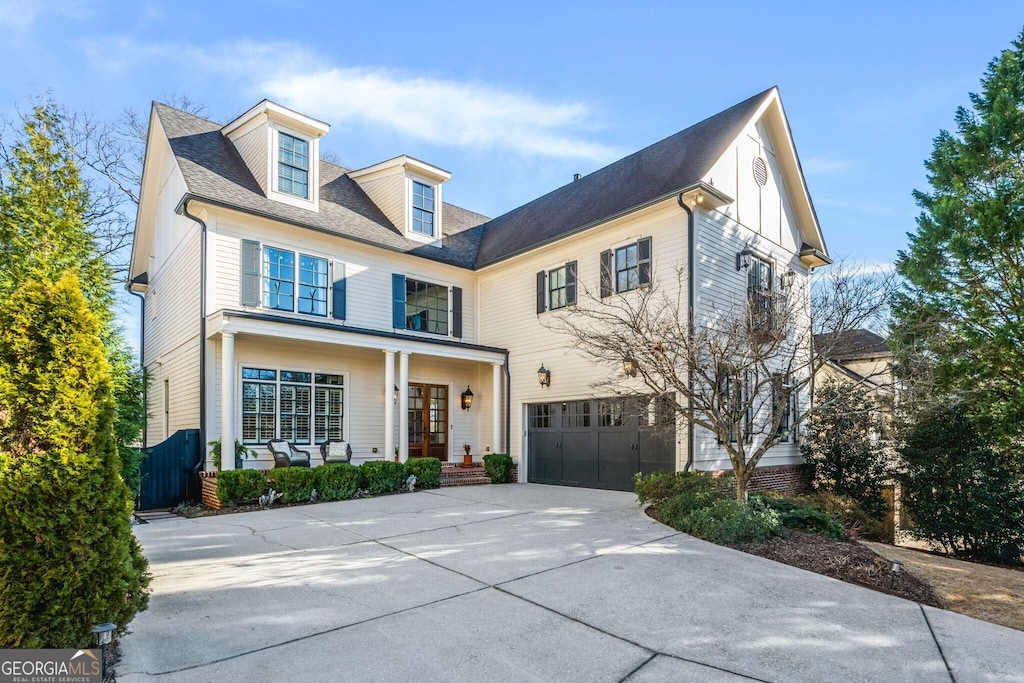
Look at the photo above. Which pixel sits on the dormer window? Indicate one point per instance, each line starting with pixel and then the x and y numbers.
pixel 293 165
pixel 422 209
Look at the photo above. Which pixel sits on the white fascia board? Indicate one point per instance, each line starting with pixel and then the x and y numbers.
pixel 293 119
pixel 139 263
pixel 402 163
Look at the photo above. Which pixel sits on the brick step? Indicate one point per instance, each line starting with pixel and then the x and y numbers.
pixel 473 480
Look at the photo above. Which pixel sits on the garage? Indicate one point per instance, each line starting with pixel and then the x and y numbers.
pixel 599 443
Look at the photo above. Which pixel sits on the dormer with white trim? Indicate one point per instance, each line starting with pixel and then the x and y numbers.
pixel 408 192
pixel 282 149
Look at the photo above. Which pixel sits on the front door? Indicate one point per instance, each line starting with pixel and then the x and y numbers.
pixel 428 421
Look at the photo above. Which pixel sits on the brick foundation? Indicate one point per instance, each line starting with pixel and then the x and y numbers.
pixel 791 479
pixel 208 484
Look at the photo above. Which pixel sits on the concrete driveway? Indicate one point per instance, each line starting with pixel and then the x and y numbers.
pixel 518 583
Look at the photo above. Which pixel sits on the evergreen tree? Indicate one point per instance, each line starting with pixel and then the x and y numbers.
pixel 68 558
pixel 961 321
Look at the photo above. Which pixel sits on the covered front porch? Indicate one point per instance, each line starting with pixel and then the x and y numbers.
pixel 388 395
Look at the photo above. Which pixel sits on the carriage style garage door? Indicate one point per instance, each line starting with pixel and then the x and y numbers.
pixel 599 443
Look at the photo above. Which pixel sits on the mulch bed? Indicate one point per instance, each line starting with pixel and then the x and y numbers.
pixel 844 560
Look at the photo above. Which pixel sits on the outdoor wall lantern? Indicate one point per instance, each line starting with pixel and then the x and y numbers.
pixel 744 258
pixel 467 398
pixel 629 366
pixel 544 376
pixel 787 279
pixel 396 393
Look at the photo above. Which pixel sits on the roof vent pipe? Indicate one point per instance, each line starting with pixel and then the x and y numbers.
pixel 576 176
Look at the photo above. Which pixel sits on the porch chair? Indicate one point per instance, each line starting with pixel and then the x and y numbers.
pixel 336 451
pixel 287 455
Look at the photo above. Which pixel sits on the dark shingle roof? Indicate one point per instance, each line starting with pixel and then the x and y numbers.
pixel 215 172
pixel 855 344
pixel 676 163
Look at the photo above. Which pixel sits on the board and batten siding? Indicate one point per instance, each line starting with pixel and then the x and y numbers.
pixel 508 311
pixel 368 270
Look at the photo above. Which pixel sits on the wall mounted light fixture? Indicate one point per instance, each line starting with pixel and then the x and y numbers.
pixel 467 399
pixel 744 259
pixel 396 393
pixel 544 376
pixel 629 366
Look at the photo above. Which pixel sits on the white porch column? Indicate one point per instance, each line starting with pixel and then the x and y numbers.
pixel 496 407
pixel 389 405
pixel 403 405
pixel 227 400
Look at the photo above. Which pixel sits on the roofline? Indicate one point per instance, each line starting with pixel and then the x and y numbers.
pixel 142 183
pixel 417 165
pixel 704 187
pixel 190 196
pixel 271 109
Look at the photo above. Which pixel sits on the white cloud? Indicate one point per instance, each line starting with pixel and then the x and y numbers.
pixel 821 165
pixel 441 112
pixel 20 15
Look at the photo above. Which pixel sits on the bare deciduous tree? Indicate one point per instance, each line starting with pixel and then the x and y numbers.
pixel 743 370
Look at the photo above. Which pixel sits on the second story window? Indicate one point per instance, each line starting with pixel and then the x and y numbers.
pixel 626 268
pixel 556 288
pixel 426 307
pixel 422 209
pixel 759 295
pixel 293 165
pixel 287 288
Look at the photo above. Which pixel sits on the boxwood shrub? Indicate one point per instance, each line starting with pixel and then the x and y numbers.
pixel 293 483
pixel 498 467
pixel 426 470
pixel 658 487
pixel 240 487
pixel 721 520
pixel 338 481
pixel 382 476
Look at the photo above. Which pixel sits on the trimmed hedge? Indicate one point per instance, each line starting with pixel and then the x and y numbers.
pixel 498 467
pixel 426 470
pixel 240 487
pixel 658 487
pixel 338 481
pixel 382 476
pixel 295 484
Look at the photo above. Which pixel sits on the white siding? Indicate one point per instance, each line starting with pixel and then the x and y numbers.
pixel 389 194
pixel 254 148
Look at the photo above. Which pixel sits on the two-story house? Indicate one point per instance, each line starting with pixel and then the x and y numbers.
pixel 287 297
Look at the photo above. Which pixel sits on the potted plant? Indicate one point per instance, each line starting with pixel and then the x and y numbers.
pixel 467 459
pixel 241 453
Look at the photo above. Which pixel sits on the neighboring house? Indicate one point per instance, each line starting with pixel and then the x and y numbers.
pixel 287 297
pixel 863 358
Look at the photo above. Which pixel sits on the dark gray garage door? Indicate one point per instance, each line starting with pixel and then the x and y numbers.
pixel 599 443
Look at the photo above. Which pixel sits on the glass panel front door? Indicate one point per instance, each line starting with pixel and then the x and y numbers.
pixel 428 421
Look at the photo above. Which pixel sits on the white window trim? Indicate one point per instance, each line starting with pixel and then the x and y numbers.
pixel 434 240
pixel 311 203
pixel 440 283
pixel 295 310
pixel 345 401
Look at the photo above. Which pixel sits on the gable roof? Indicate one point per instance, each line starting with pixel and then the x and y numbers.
pixel 661 170
pixel 215 173
pixel 856 344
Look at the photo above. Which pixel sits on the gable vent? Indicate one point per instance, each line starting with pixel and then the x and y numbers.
pixel 760 171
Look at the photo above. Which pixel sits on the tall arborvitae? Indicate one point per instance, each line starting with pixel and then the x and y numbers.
pixel 68 559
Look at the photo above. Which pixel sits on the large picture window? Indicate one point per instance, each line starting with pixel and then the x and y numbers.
pixel 301 289
pixel 426 307
pixel 301 407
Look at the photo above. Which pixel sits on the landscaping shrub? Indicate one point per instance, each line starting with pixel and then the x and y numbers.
pixel 338 481
pixel 68 558
pixel 240 487
pixel 498 467
pixel 850 514
pixel 293 483
pixel 721 520
pixel 426 470
pixel 658 487
pixel 382 476
pixel 959 494
pixel 798 514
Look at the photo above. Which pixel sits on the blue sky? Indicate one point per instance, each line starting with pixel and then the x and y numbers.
pixel 513 98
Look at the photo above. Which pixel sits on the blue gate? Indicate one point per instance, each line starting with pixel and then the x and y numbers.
pixel 169 472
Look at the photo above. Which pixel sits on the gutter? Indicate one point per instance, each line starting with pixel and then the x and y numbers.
pixel 691 259
pixel 182 209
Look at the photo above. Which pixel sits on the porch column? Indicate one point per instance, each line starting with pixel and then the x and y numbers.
pixel 227 400
pixel 403 405
pixel 389 405
pixel 496 407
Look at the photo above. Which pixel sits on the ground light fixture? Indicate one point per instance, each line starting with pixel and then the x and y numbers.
pixel 467 398
pixel 103 634
pixel 544 376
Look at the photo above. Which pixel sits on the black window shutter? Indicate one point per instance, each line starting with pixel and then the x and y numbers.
pixel 456 311
pixel 643 248
pixel 542 293
pixel 250 285
pixel 570 283
pixel 338 307
pixel 606 274
pixel 398 301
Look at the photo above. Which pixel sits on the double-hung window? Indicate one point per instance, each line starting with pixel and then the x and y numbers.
pixel 783 398
pixel 556 288
pixel 292 165
pixel 294 282
pixel 626 268
pixel 422 209
pixel 759 296
pixel 301 407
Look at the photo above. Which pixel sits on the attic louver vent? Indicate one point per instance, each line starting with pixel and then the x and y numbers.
pixel 760 171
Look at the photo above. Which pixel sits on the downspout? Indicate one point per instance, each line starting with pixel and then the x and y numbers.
pixel 690 313
pixel 508 406
pixel 183 209
pixel 142 365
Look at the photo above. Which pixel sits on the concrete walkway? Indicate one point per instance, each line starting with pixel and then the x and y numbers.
pixel 518 583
